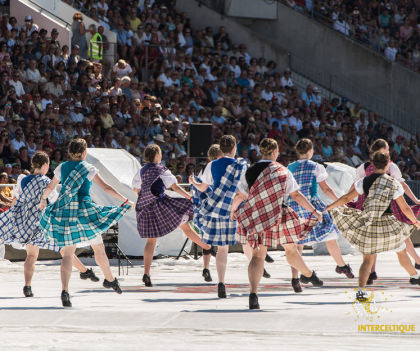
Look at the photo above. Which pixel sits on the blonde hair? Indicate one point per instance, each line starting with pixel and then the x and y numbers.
pixel 267 146
pixel 303 146
pixel 76 148
pixel 214 152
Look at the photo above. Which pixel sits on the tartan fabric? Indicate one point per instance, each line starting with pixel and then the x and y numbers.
pixel 305 177
pixel 358 203
pixel 370 230
pixel 71 220
pixel 213 215
pixel 198 198
pixel 263 219
pixel 20 225
pixel 159 215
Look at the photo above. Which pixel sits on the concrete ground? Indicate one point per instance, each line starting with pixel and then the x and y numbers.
pixel 182 311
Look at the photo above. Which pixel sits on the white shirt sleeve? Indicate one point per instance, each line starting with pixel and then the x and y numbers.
pixel 395 172
pixel 136 183
pixel 358 185
pixel 57 172
pixel 93 171
pixel 360 172
pixel 17 190
pixel 168 178
pixel 320 173
pixel 399 192
pixel 291 184
pixel 207 176
pixel 243 185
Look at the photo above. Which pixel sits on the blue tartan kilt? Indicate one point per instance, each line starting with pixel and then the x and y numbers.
pixel 218 231
pixel 91 221
pixel 324 231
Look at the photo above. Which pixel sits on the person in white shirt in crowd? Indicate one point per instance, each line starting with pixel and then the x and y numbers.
pixel 295 121
pixel 351 158
pixel 391 51
pixel 308 95
pixel 17 84
pixel 244 54
pixel 76 115
pixel 18 141
pixel 46 100
pixel 267 93
pixel 116 89
pixel 317 96
pixel 29 26
pixel 342 26
pixel 32 76
pixel 286 80
pixel 121 69
pixel 233 67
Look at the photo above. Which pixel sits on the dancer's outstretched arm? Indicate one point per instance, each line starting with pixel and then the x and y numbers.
pixel 410 193
pixel 304 202
pixel 110 190
pixel 175 187
pixel 343 200
pixel 328 190
pixel 239 197
pixel 200 186
pixel 407 211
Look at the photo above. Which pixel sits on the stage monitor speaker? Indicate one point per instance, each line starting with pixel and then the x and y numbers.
pixel 199 139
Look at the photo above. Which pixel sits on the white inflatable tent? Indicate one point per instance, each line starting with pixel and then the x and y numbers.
pixel 118 168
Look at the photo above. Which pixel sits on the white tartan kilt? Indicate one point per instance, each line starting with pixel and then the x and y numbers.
pixel 384 233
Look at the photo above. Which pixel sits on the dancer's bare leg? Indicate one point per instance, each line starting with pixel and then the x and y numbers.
pixel 102 261
pixel 78 264
pixel 373 269
pixel 295 272
pixel 335 252
pixel 149 250
pixel 295 259
pixel 193 236
pixel 406 263
pixel 221 262
pixel 66 265
pixel 248 251
pixel 32 253
pixel 206 261
pixel 411 250
pixel 365 269
pixel 256 268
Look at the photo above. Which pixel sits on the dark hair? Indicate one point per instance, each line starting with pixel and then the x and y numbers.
pixel 377 145
pixel 303 146
pixel 380 159
pixel 39 159
pixel 214 152
pixel 267 146
pixel 76 148
pixel 150 152
pixel 227 143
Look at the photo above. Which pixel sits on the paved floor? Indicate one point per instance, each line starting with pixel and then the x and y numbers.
pixel 181 310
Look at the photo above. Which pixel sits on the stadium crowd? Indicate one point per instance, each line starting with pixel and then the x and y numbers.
pixel 391 27
pixel 167 75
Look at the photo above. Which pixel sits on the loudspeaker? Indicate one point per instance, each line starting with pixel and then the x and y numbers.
pixel 200 139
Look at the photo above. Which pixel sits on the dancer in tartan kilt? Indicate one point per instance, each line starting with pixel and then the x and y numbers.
pixel 213 216
pixel 374 229
pixel 264 220
pixel 367 169
pixel 310 176
pixel 19 226
pixel 157 213
pixel 74 220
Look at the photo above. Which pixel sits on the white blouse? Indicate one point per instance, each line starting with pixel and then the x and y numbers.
pixel 93 171
pixel 320 172
pixel 359 188
pixel 394 172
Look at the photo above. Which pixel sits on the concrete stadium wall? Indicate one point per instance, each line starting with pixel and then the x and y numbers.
pixel 202 16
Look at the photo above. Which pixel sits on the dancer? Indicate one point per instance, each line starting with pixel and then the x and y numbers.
pixel 74 220
pixel 310 175
pixel 213 216
pixel 157 213
pixel 264 221
pixel 19 226
pixel 214 153
pixel 374 229
pixel 367 169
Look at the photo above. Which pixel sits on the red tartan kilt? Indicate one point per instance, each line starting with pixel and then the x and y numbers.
pixel 289 230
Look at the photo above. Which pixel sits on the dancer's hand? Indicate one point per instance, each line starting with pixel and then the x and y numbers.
pixel 417 224
pixel 318 215
pixel 191 179
pixel 132 204
pixel 232 215
pixel 42 204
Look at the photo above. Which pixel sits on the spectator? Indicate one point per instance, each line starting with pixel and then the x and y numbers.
pixel 78 38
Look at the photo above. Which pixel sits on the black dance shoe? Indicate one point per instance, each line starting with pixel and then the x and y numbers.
pixel 207 276
pixel 268 258
pixel 415 281
pixel 372 277
pixel 417 266
pixel 146 280
pixel 65 299
pixel 253 302
pixel 27 291
pixel 210 251
pixel 266 274
pixel 221 291
pixel 89 274
pixel 114 285
pixel 346 269
pixel 313 279
pixel 361 296
pixel 296 285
